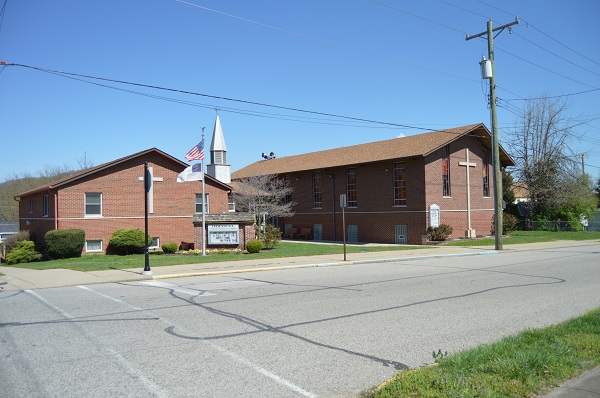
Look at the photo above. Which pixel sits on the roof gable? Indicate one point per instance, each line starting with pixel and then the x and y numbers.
pixel 73 178
pixel 396 148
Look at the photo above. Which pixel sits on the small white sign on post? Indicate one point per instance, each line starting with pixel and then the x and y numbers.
pixel 343 201
pixel 434 216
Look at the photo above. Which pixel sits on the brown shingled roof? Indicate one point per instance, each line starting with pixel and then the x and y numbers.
pixel 396 148
pixel 83 173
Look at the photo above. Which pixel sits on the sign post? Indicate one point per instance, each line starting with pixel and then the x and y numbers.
pixel 343 204
pixel 147 188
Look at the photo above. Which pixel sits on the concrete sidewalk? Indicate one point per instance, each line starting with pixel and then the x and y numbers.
pixel 14 278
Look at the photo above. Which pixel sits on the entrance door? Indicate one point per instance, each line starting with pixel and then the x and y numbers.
pixel 401 233
pixel 318 232
pixel 352 233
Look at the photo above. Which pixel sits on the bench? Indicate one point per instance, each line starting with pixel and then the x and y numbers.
pixel 305 233
pixel 291 233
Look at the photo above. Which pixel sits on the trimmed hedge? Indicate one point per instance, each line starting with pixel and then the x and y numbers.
pixel 169 247
pixel 65 243
pixel 254 246
pixel 127 241
pixel 24 252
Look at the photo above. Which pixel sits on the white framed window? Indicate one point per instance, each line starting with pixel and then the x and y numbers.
pixel 93 246
pixel 230 202
pixel 93 204
pixel 31 205
pixel 45 206
pixel 155 242
pixel 199 203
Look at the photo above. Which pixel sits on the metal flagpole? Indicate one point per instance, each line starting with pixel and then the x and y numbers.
pixel 203 202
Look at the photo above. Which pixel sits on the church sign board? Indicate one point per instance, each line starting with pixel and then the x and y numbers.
pixel 223 234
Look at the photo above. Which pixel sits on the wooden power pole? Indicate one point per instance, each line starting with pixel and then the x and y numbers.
pixel 495 146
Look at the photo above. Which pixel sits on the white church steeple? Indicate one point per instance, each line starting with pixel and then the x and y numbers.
pixel 218 167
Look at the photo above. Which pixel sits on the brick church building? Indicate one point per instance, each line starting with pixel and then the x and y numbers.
pixel 395 189
pixel 111 196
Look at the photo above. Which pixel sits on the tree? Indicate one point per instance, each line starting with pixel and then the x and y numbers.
pixel 508 193
pixel 264 196
pixel 546 163
pixel 19 183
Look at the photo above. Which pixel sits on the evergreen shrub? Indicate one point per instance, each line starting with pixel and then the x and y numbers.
pixel 440 233
pixel 24 252
pixel 254 246
pixel 272 236
pixel 169 247
pixel 13 240
pixel 509 223
pixel 66 243
pixel 127 241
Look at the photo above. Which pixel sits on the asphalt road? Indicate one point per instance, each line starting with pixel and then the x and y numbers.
pixel 331 331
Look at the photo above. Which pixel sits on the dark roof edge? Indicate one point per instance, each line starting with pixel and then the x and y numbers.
pixel 107 165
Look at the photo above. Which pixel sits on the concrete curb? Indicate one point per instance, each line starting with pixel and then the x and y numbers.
pixel 334 264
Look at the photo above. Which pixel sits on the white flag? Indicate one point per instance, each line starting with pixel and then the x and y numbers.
pixel 191 173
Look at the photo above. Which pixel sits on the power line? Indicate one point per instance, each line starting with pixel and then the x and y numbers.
pixel 221 108
pixel 464 9
pixel 545 34
pixel 556 55
pixel 329 43
pixel 71 75
pixel 544 68
pixel 2 12
pixel 555 96
pixel 417 16
pixel 219 97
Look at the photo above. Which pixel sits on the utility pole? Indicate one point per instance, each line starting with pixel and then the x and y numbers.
pixel 495 145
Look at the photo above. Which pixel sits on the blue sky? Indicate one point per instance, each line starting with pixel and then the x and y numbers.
pixel 400 62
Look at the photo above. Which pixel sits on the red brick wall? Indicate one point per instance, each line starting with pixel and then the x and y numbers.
pixel 453 209
pixel 376 216
pixel 123 202
pixel 34 221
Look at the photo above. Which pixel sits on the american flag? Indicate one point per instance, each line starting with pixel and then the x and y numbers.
pixel 196 153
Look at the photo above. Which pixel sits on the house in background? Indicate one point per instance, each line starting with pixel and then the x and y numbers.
pixel 395 189
pixel 8 228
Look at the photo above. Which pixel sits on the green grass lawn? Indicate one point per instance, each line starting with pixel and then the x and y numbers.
pixel 99 262
pixel 517 237
pixel 522 365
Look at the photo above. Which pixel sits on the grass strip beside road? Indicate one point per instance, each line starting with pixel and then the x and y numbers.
pixel 529 363
pixel 519 237
pixel 100 262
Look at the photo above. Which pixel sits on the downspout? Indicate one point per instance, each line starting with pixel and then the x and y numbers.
pixel 56 211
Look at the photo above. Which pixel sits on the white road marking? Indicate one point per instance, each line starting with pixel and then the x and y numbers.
pixel 112 354
pixel 178 289
pixel 291 386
